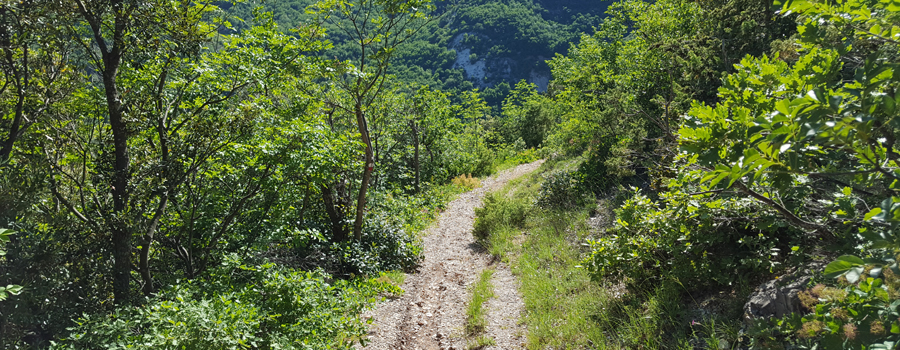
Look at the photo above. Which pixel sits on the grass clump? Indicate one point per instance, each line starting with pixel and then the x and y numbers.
pixel 483 290
pixel 480 342
pixel 475 313
pixel 497 212
pixel 394 278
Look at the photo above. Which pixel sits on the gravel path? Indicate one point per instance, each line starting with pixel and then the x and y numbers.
pixel 431 314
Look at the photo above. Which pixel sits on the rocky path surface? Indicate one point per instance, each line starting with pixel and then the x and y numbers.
pixel 431 314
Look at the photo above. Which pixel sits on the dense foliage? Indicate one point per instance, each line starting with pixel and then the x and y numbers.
pixel 169 168
pixel 737 143
pixel 239 307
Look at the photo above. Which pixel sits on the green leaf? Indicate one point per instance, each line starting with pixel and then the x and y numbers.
pixel 13 289
pixel 843 265
pixel 875 29
pixel 872 213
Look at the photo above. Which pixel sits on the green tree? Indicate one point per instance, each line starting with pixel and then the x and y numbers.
pixel 35 77
pixel 171 93
pixel 375 29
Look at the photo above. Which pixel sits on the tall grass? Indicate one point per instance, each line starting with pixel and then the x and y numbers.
pixel 475 313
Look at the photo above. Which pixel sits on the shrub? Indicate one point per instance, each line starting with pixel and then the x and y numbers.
pixel 523 157
pixel 698 241
pixel 384 247
pixel 498 211
pixel 468 153
pixel 267 308
pixel 466 181
pixel 562 189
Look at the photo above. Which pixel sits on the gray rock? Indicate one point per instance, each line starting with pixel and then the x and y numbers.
pixel 779 297
pixel 774 299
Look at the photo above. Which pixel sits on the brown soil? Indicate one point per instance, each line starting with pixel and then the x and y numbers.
pixel 431 314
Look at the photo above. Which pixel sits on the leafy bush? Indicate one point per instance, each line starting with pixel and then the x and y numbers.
pixel 698 241
pixel 523 157
pixel 562 189
pixel 468 153
pixel 247 307
pixel 412 212
pixel 498 211
pixel 385 246
pixel 389 240
pixel 815 140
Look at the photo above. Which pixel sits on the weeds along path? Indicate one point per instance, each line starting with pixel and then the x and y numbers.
pixel 431 314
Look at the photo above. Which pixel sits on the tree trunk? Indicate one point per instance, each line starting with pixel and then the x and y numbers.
pixel 21 84
pixel 144 260
pixel 338 232
pixel 121 233
pixel 415 134
pixel 14 129
pixel 368 167
pixel 111 57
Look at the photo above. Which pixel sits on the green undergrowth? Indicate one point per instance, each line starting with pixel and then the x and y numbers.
pixel 240 306
pixel 416 212
pixel 475 313
pixel 565 308
pixel 251 302
pixel 513 155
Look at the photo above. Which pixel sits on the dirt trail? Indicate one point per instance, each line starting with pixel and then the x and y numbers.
pixel 431 314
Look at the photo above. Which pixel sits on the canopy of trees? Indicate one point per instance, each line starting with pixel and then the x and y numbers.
pixel 168 159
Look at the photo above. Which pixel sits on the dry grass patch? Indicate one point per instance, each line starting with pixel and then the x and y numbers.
pixel 467 181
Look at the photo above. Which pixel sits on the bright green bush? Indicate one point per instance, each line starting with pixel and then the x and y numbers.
pixel 812 135
pixel 700 241
pixel 498 211
pixel 262 307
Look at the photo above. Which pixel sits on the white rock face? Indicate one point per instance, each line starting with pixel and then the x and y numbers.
pixel 541 79
pixel 474 70
pixel 485 73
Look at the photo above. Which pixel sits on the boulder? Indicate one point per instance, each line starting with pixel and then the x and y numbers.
pixel 779 297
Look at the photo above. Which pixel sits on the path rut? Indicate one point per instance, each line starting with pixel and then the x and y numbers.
pixel 431 314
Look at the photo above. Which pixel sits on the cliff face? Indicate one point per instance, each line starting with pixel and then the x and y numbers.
pixel 507 41
pixel 488 71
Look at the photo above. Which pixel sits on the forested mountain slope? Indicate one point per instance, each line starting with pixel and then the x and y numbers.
pixel 489 45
